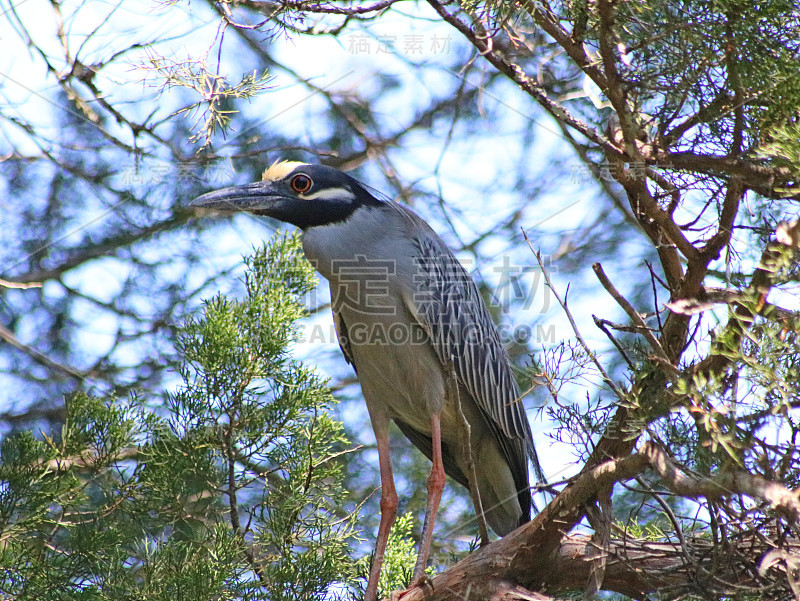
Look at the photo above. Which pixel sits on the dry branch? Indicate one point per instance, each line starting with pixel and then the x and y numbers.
pixel 733 482
pixel 525 556
pixel 540 556
pixel 637 320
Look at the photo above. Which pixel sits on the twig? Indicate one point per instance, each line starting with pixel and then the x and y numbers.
pixel 87 458
pixel 632 313
pixel 653 278
pixel 568 313
pixel 787 235
pixel 19 286
pixel 602 323
pixel 676 525
pixel 39 357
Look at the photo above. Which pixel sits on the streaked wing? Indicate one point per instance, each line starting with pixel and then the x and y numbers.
pixel 447 303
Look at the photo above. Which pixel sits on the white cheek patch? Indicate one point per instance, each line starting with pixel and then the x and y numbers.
pixel 330 194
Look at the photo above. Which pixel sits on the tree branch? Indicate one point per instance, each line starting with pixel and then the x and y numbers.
pixel 39 357
pixel 764 179
pixel 524 557
pixel 540 556
pixel 733 482
pixel 103 248
pixel 515 73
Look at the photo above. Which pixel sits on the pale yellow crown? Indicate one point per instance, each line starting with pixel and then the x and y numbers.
pixel 279 170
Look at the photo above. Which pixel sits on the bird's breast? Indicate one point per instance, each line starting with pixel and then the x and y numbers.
pixel 370 268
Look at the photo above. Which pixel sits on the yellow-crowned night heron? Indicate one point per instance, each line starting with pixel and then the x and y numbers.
pixel 414 326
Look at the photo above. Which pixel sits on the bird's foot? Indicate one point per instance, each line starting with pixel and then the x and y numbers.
pixel 423 582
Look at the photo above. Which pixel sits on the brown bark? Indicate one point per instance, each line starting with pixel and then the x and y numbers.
pixel 539 556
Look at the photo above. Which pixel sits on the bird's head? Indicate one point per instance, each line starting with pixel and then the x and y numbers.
pixel 298 193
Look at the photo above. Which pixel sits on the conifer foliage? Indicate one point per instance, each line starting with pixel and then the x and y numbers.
pixel 231 489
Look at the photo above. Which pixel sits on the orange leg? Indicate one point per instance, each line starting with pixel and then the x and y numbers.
pixel 388 512
pixel 435 488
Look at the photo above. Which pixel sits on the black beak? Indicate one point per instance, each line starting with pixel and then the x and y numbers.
pixel 260 197
pixel 273 199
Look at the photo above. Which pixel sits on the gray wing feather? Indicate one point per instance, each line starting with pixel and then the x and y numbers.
pixel 448 305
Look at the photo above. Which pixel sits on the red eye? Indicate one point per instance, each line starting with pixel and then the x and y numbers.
pixel 301 183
